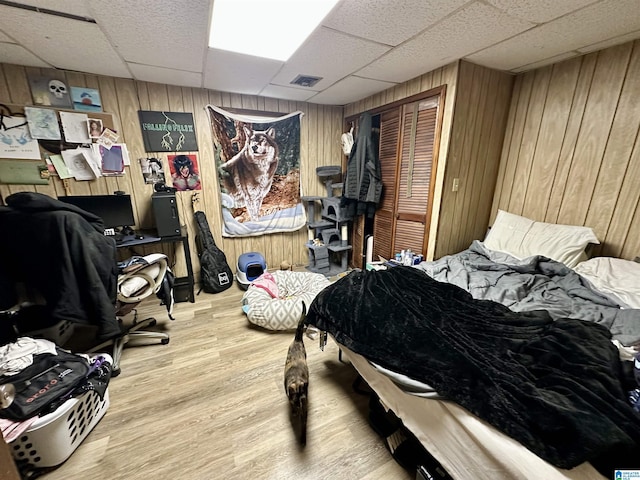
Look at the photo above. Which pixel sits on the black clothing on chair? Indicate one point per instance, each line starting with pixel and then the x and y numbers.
pixel 61 252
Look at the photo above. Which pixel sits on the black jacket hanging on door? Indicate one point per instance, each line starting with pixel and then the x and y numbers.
pixel 362 187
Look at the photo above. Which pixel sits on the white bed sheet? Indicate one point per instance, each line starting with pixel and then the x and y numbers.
pixel 466 446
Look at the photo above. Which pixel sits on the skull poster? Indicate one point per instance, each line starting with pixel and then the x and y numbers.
pixel 50 91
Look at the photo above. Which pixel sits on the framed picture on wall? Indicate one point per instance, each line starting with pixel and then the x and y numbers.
pixel 49 91
pixel 168 131
pixel 86 99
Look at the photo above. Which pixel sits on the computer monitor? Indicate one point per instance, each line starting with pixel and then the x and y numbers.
pixel 115 210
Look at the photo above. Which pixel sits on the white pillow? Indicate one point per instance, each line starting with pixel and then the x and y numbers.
pixel 523 237
pixel 508 233
pixel 616 277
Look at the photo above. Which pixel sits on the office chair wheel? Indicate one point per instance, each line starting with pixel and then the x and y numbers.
pixel 164 341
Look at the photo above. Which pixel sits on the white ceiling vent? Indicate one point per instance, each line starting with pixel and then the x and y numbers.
pixel 305 80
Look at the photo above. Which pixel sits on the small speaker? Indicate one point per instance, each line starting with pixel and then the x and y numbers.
pixel 165 211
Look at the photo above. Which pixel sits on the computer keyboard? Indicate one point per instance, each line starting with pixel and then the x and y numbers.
pixel 135 236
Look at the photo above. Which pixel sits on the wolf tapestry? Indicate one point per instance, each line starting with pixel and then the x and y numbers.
pixel 258 164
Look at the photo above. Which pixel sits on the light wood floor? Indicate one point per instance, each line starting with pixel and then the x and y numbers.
pixel 211 405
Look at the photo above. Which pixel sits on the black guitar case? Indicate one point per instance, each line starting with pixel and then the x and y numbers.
pixel 215 274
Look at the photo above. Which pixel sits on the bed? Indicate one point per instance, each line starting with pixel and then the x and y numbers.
pixel 523 351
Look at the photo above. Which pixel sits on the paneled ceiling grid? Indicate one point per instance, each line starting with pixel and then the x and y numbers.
pixel 361 48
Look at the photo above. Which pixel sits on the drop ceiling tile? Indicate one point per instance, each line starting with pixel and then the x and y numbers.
pixel 148 73
pixel 164 33
pixel 62 42
pixel 350 89
pixel 390 22
pixel 296 94
pixel 166 41
pixel 331 55
pixel 546 61
pixel 6 38
pixel 593 24
pixel 15 54
pixel 482 25
pixel 610 42
pixel 74 7
pixel 237 73
pixel 539 11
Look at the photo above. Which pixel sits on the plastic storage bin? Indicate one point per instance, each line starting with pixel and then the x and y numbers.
pixel 34 321
pixel 54 437
pixel 58 333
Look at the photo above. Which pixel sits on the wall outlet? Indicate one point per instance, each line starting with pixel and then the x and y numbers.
pixel 456 184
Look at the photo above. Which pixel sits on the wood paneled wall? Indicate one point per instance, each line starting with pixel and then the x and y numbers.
pixel 475 145
pixel 476 106
pixel 571 153
pixel 320 145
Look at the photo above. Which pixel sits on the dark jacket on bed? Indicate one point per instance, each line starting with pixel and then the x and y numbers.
pixel 60 251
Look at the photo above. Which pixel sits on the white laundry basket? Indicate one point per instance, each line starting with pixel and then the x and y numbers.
pixel 52 439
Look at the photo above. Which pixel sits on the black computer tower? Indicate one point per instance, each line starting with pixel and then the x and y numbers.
pixel 165 211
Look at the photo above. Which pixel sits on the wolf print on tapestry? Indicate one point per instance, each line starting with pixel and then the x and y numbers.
pixel 258 165
pixel 250 171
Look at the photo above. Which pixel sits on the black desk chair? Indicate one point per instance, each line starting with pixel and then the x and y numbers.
pixel 60 251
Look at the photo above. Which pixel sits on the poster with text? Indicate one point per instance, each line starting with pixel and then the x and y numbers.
pixel 168 131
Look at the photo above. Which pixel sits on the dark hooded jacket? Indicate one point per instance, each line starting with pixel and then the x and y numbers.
pixel 363 179
pixel 61 252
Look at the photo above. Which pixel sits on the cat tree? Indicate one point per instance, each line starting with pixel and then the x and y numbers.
pixel 328 232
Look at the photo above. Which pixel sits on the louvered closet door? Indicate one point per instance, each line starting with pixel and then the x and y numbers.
pixel 407 139
pixel 383 222
pixel 413 201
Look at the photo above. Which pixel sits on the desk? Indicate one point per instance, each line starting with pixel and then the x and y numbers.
pixel 150 238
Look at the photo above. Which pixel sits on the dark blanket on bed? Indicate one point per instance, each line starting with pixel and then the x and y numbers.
pixel 555 386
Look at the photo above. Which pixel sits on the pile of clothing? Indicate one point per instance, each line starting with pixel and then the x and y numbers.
pixel 37 377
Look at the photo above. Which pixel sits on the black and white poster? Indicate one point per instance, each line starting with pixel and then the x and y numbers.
pixel 168 131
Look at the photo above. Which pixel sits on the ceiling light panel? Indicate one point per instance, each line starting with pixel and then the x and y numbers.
pixel 264 28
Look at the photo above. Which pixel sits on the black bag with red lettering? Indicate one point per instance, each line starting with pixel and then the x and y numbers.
pixel 42 383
